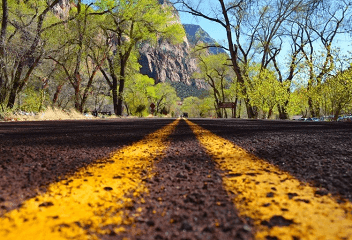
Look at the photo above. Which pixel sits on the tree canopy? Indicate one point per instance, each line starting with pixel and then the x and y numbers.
pixel 281 58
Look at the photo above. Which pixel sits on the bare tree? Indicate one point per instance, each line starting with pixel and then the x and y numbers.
pixel 80 55
pixel 319 32
pixel 3 74
pixel 22 48
pixel 254 33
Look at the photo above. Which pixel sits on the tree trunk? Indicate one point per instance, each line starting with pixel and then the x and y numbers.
pixel 337 112
pixel 77 97
pixel 270 113
pixel 121 88
pixel 311 107
pixel 12 98
pixel 236 67
pixel 217 109
pixel 250 111
pixel 16 86
pixel 127 109
pixel 235 108
pixel 57 92
pixel 2 51
pixel 283 111
pixel 115 100
pixel 239 109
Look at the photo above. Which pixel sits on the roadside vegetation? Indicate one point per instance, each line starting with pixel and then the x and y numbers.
pixel 283 58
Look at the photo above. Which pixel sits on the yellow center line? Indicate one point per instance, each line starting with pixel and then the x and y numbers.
pixel 280 205
pixel 86 204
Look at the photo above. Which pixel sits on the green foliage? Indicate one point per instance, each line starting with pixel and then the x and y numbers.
pixel 130 23
pixel 139 92
pixel 207 108
pixel 4 112
pixel 265 91
pixel 69 55
pixel 165 97
pixel 196 107
pixel 140 109
pixel 298 102
pixel 190 106
pixel 336 93
pixel 215 70
pixel 183 90
pixel 32 100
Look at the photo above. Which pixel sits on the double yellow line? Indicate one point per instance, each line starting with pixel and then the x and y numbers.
pixel 92 202
pixel 89 203
pixel 280 205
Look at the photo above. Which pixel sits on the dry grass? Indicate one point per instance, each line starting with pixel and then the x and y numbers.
pixel 48 114
pixel 57 114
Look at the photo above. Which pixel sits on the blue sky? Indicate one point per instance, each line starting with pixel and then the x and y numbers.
pixel 215 30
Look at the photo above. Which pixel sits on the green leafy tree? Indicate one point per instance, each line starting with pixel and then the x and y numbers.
pixel 207 108
pixel 298 102
pixel 138 94
pixel 79 53
pixel 127 24
pixel 215 70
pixel 23 43
pixel 196 107
pixel 165 97
pixel 337 92
pixel 190 106
pixel 265 91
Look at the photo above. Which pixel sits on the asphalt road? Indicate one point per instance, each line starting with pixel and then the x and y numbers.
pixel 180 190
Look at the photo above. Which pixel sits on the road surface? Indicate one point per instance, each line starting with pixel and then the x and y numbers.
pixel 175 179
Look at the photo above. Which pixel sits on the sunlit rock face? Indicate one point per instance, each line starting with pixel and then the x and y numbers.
pixel 162 61
pixel 168 62
pixel 196 35
pixel 62 9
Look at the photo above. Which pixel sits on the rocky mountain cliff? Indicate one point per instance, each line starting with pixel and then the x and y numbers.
pixel 62 9
pixel 166 62
pixel 196 35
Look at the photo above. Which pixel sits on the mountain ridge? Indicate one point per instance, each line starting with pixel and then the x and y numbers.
pixel 196 35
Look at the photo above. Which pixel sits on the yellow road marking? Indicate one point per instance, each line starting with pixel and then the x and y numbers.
pixel 280 205
pixel 84 205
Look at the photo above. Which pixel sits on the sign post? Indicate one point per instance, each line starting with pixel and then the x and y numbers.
pixel 229 105
pixel 152 108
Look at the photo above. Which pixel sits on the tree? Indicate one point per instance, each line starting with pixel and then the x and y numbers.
pixel 22 45
pixel 165 96
pixel 220 13
pixel 298 104
pixel 319 28
pixel 265 91
pixel 252 29
pixel 3 73
pixel 337 91
pixel 215 70
pixel 79 53
pixel 256 32
pixel 206 107
pixel 128 24
pixel 190 106
pixel 139 92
